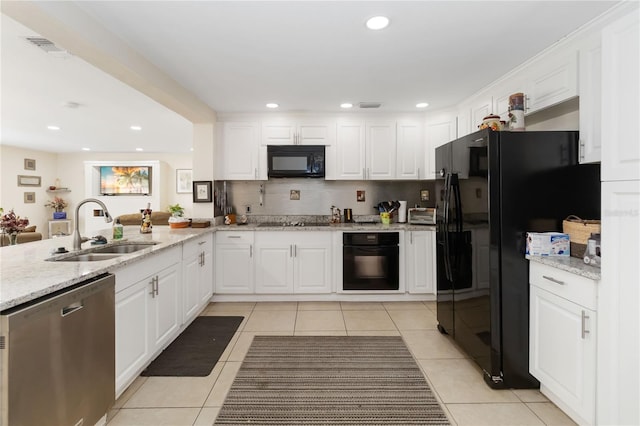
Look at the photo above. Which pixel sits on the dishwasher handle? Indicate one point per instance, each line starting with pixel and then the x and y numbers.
pixel 69 309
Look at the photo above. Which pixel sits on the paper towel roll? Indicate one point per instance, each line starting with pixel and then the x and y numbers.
pixel 402 212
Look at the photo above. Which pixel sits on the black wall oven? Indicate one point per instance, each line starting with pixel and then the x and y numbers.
pixel 370 261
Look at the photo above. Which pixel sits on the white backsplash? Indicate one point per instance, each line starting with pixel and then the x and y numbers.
pixel 317 196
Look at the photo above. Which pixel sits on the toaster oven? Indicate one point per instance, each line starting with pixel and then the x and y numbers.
pixel 422 216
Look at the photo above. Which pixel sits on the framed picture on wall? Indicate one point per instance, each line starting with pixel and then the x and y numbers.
pixel 29 164
pixel 184 181
pixel 202 191
pixel 29 197
pixel 28 180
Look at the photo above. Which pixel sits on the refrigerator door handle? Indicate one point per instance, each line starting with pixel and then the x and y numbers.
pixel 447 251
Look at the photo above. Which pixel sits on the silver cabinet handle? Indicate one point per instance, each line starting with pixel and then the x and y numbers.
pixel 255 172
pixel 290 250
pixel 418 172
pixel 154 286
pixel 233 236
pixel 581 150
pixel 157 285
pixel 585 317
pixel 553 280
pixel 295 250
pixel 250 250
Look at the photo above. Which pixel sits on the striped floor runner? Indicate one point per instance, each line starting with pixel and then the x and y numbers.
pixel 330 380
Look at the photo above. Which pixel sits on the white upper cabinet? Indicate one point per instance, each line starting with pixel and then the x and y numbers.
pixel 590 69
pixel 298 132
pixel 410 160
pixel 481 108
pixel 381 151
pixel 440 129
pixel 620 103
pixel 350 151
pixel 239 156
pixel 551 80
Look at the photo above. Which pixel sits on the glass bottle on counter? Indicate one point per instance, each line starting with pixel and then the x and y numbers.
pixel 146 225
pixel 118 230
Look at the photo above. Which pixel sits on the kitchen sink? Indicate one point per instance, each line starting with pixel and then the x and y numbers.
pixel 122 248
pixel 96 254
pixel 86 257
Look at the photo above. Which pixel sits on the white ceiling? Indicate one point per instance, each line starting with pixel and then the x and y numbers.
pixel 235 56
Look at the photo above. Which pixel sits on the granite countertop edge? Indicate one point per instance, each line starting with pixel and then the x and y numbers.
pixel 569 264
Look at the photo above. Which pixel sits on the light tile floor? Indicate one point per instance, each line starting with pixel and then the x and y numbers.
pixel 456 380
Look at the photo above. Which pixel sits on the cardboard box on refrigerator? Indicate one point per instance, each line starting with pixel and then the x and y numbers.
pixel 548 244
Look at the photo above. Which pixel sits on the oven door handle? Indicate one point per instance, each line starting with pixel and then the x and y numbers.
pixel 371 249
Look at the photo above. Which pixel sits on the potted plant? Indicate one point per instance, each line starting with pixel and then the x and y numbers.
pixel 58 205
pixel 176 210
pixel 12 225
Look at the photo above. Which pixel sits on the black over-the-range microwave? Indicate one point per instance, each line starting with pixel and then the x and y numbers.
pixel 295 161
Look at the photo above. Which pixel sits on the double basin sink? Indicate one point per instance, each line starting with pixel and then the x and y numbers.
pixel 103 252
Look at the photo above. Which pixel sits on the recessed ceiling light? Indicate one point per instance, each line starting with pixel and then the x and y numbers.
pixel 53 127
pixel 422 105
pixel 346 105
pixel 86 149
pixel 377 22
pixel 272 105
pixel 135 128
pixel 139 149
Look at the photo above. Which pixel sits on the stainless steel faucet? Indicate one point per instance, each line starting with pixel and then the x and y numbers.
pixel 77 239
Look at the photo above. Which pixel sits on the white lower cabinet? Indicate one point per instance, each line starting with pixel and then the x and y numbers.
pixel 147 312
pixel 293 262
pixel 420 261
pixel 197 276
pixel 234 262
pixel 562 350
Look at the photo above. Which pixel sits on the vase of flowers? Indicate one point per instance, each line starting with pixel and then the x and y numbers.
pixel 58 205
pixel 12 225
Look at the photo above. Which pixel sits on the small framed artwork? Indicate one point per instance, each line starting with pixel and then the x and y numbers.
pixel 29 164
pixel 360 197
pixel 184 179
pixel 28 180
pixel 29 197
pixel 202 191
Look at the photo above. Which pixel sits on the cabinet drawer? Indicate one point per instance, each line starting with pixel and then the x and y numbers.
pixel 197 245
pixel 231 237
pixel 565 284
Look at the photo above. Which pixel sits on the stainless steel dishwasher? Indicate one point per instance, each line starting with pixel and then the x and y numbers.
pixel 58 357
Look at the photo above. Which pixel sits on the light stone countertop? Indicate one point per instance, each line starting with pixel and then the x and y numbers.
pixel 569 264
pixel 25 275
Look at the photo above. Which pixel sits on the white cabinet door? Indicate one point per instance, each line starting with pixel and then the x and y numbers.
pixel 553 79
pixel 312 262
pixel 132 333
pixel 279 133
pixel 410 161
pixel 463 124
pixel 420 262
pixel 240 148
pixel 620 100
pixel 562 353
pixel 618 295
pixel 190 288
pixel 206 274
pixel 305 132
pixel 381 151
pixel 479 110
pixel 590 69
pixel 274 265
pixel 440 129
pixel 165 307
pixel 234 262
pixel 350 151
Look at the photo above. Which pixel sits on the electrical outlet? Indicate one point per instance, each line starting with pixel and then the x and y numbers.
pixel 247 209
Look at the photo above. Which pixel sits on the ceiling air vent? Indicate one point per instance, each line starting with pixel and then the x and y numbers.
pixel 369 104
pixel 44 44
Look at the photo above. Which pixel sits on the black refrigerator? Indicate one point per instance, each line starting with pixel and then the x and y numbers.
pixel 492 188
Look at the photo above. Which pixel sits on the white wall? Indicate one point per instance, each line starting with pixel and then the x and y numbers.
pixel 69 169
pixel 12 195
